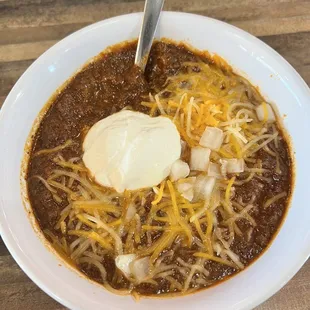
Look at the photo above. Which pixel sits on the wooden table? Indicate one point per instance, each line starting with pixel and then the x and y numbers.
pixel 29 27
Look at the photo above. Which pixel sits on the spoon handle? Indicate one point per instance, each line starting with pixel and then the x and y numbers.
pixel 152 9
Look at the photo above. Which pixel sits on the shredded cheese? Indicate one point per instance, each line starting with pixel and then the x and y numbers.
pixel 55 149
pixel 152 223
pixel 160 193
pixel 273 199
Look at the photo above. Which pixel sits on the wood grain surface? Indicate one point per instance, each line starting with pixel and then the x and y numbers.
pixel 30 27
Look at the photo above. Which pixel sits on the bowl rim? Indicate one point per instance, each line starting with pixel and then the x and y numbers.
pixel 6 234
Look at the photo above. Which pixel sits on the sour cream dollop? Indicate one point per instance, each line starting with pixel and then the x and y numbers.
pixel 131 150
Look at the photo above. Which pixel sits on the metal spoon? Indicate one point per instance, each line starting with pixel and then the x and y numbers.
pixel 152 9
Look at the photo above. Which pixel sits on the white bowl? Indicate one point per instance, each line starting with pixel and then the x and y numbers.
pixel 277 80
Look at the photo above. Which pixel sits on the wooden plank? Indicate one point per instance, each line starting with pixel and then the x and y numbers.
pixel 17 291
pixel 295 49
pixel 26 296
pixel 283 25
pixel 294 296
pixel 10 72
pixel 24 51
pixel 2 98
pixel 3 249
pixel 9 272
pixel 38 34
pixel 59 12
pixel 259 17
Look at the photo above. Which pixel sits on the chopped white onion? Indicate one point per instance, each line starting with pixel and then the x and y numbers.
pixel 179 170
pixel 214 170
pixel 123 262
pixel 189 194
pixel 212 138
pixel 260 111
pixel 140 268
pixel 200 158
pixel 233 165
pixel 204 186
pixel 183 187
pixel 223 168
pixel 187 188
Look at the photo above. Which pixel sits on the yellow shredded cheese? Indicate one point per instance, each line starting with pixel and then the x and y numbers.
pixel 265 109
pixel 198 96
pixel 160 194
pixel 228 190
pixel 93 235
pixel 273 199
pixel 214 258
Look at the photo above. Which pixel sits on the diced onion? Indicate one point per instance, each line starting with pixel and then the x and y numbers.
pixel 212 138
pixel 204 186
pixel 123 262
pixel 265 113
pixel 183 187
pixel 200 158
pixel 189 194
pixel 223 168
pixel 179 170
pixel 233 165
pixel 187 189
pixel 214 170
pixel 140 268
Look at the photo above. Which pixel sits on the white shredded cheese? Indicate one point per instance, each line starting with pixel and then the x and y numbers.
pixel 131 211
pixel 237 134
